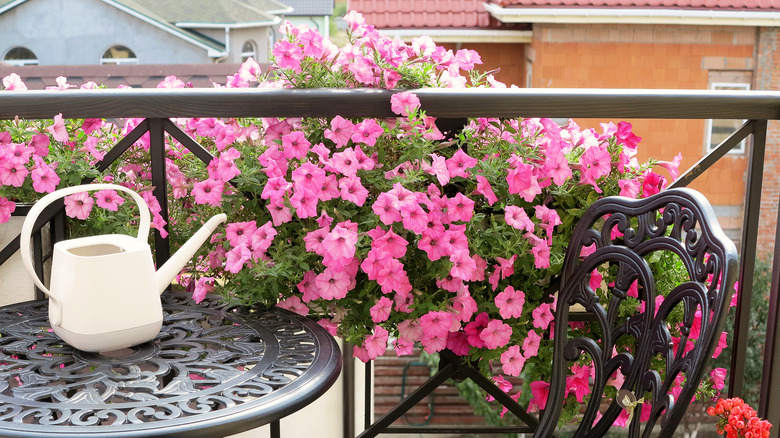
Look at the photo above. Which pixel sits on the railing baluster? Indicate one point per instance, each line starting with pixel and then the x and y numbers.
pixel 748 256
pixel 162 248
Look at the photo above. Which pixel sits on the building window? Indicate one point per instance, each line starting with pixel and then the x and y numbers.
pixel 248 50
pixel 719 130
pixel 20 56
pixel 118 55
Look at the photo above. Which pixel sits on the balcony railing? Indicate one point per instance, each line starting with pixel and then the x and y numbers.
pixel 159 105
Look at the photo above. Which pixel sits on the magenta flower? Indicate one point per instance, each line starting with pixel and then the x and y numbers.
pixel 404 103
pixel 484 188
pixel 295 145
pixel 718 376
pixel 381 310
pixel 58 130
pixel 629 187
pixel 109 199
pixel 464 305
pixel 280 214
pixel 522 181
pixel 539 392
pixel 346 162
pixel 434 343
pixel 261 239
pixel 376 344
pixel 40 142
pixel 434 244
pixel 653 184
pixel 308 287
pixel 277 187
pixel 510 303
pixel 460 163
pixel 236 258
pixel 556 166
pixel 367 132
pixel 672 166
pixel 294 304
pixel 18 152
pixel 542 316
pixel 6 208
pixel 13 82
pixel 626 137
pixel 541 252
pixel 340 243
pixel 531 344
pixel 385 207
pixel 375 261
pixel 309 177
pixel 45 180
pixel 458 343
pixel 517 218
pixel 392 277
pixel 596 162
pixel 414 217
pixel 288 55
pixel 12 173
pixel 460 208
pixel 579 382
pixel 496 334
pixel 390 242
pixel 340 131
pixel 208 192
pixel 436 323
pixel 463 266
pixel 333 284
pixel 512 361
pixel 78 205
pixel 305 203
pixel 352 190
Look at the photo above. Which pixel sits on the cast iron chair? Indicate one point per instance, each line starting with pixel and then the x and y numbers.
pixel 623 233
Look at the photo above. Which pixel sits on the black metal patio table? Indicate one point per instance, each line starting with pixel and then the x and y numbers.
pixel 213 370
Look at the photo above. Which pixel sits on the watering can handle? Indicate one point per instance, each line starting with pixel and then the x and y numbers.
pixel 37 208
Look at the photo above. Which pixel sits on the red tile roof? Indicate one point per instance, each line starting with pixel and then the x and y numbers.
pixel 464 14
pixel 395 14
pixel 667 4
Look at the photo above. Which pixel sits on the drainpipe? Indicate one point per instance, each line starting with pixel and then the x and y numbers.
pixel 223 56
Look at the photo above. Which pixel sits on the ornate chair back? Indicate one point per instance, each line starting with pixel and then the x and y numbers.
pixel 648 328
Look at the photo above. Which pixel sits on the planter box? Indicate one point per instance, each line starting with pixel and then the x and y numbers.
pixel 15 284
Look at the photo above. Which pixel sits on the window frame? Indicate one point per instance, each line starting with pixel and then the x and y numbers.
pixel 20 62
pixel 708 146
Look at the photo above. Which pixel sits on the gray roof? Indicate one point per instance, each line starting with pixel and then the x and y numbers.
pixel 227 12
pixel 310 7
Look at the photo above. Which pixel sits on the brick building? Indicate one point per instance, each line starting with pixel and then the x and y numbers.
pixel 651 44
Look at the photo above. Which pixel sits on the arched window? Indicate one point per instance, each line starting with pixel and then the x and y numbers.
pixel 248 50
pixel 20 56
pixel 118 55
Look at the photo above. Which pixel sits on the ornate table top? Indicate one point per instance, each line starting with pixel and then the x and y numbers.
pixel 212 369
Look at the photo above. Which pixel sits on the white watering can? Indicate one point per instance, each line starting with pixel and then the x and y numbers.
pixel 105 293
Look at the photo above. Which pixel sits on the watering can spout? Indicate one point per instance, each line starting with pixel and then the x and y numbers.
pixel 168 271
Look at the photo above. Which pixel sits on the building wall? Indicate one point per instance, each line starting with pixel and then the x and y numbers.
pixel 67 32
pixel 507 57
pixel 768 78
pixel 655 57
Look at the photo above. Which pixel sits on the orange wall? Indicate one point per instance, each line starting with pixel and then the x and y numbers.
pixel 654 57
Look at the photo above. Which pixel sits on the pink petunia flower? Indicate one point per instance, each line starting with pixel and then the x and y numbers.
pixel 237 257
pixel 295 145
pixel 13 82
pixel 288 55
pixel 280 213
pixel 539 394
pixel 305 203
pixel 333 284
pixel 460 208
pixel 517 218
pixel 294 304
pixel 463 266
pixel 437 168
pixel 381 310
pixel 352 190
pixel 596 162
pixel 340 131
pixel 460 163
pixel 109 199
pixel 510 303
pixel 542 316
pixel 340 243
pixel 512 361
pixel 367 132
pixel 58 130
pixel 531 344
pixel 79 205
pixel 522 181
pixel 376 343
pixel 484 188
pixel 404 103
pixel 12 173
pixel 208 192
pixel 6 208
pixel 308 287
pixel 629 187
pixel 496 334
pixel 393 278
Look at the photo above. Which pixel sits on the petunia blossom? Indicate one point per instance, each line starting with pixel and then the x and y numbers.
pixel 109 199
pixel 512 361
pixel 78 205
pixel 496 334
pixel 510 303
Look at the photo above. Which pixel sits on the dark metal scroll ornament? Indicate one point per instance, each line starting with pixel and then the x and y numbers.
pixel 212 369
pixel 621 233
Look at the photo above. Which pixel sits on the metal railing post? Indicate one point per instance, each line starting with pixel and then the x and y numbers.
pixel 162 248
